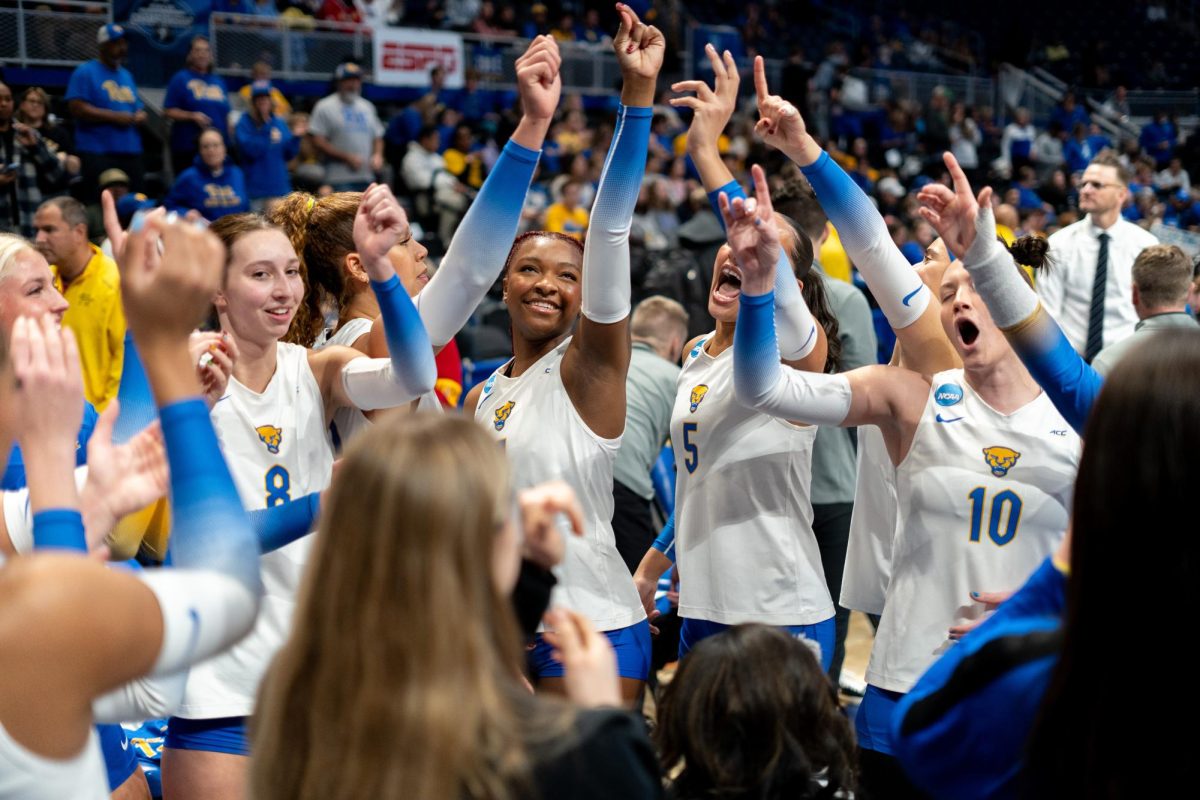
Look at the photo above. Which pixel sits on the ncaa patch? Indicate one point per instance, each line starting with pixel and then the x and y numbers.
pixel 948 394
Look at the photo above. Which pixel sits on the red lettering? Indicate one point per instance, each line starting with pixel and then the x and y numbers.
pixel 413 57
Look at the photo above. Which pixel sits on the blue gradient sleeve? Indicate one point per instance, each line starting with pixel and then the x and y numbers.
pixel 134 395
pixel 59 529
pixel 606 285
pixel 480 246
pixel 283 524
pixel 892 280
pixel 413 366
pixel 665 542
pixel 210 530
pixel 1067 379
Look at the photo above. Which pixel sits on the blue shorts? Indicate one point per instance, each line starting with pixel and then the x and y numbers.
pixel 220 735
pixel 822 633
pixel 631 644
pixel 119 759
pixel 873 722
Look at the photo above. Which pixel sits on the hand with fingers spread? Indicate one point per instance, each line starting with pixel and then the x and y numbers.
pixel 711 107
pixel 589 663
pixel 538 82
pixel 49 381
pixel 752 235
pixel 540 507
pixel 121 478
pixel 640 49
pixel 379 225
pixel 779 122
pixel 955 213
pixel 991 601
pixel 214 355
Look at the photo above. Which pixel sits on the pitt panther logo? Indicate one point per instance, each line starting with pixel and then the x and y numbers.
pixel 698 395
pixel 502 414
pixel 1000 459
pixel 271 436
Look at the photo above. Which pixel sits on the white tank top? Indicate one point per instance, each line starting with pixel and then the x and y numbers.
pixel 349 422
pixel 27 776
pixel 984 497
pixel 278 449
pixel 872 526
pixel 743 515
pixel 546 439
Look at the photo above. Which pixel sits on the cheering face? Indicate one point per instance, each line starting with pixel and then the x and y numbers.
pixel 966 319
pixel 27 290
pixel 724 298
pixel 542 288
pixel 263 287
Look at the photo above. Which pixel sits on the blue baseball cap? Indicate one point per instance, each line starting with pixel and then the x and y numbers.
pixel 109 33
pixel 260 89
pixel 345 71
pixel 132 203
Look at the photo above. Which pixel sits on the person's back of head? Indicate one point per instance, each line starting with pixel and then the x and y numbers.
pixel 376 693
pixel 1162 275
pixel 1098 735
pixel 795 198
pixel 662 323
pixel 750 713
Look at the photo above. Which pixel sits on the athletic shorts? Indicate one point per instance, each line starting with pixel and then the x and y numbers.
pixel 819 635
pixel 219 735
pixel 119 759
pixel 631 644
pixel 873 722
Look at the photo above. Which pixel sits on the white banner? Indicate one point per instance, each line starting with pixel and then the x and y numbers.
pixel 404 56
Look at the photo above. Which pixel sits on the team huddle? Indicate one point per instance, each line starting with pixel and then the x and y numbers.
pixel 347 588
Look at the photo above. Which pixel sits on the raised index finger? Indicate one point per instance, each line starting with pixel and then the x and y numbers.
pixel 961 185
pixel 760 80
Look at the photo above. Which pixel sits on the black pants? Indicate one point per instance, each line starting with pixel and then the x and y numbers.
pixel 632 525
pixel 831 524
pixel 95 163
pixel 881 777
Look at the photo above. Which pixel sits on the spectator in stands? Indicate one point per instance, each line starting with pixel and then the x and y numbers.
pixel 1158 139
pixel 937 124
pixel 1088 290
pixel 591 31
pixel 1162 276
pixel 340 11
pixel 567 215
pixel 537 24
pixel 266 145
pixel 1017 142
pixel 345 128
pixel 1068 114
pixel 89 281
pixel 1080 149
pixel 261 71
pixel 659 329
pixel 965 140
pixel 103 100
pixel 29 171
pixel 1174 177
pixel 464 158
pixel 1048 150
pixel 196 99
pixel 213 185
pixel 34 111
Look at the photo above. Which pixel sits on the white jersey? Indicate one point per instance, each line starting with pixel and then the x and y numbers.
pixel 25 775
pixel 872 526
pixel 743 516
pixel 546 439
pixel 278 449
pixel 349 422
pixel 984 497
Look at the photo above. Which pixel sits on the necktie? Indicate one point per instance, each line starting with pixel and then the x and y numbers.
pixel 1095 334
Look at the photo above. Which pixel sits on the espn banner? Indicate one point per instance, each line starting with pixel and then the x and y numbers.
pixel 404 56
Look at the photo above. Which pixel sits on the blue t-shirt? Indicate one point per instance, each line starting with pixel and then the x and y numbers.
pixel 195 91
pixel 111 89
pixel 214 196
pixel 265 150
pixel 14 473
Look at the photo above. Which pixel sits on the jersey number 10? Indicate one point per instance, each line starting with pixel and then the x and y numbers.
pixel 1006 500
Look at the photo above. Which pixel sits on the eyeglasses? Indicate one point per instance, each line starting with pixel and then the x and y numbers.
pixel 1096 184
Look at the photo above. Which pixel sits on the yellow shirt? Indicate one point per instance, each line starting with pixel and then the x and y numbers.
pixel 833 256
pixel 98 322
pixel 573 223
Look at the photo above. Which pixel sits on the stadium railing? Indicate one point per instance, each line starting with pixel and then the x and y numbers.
pixel 35 36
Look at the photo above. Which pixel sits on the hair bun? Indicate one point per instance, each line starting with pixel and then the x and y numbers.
pixel 1031 251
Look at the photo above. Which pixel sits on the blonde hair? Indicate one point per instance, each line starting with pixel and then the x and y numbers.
pixel 400 676
pixel 657 318
pixel 12 246
pixel 1163 274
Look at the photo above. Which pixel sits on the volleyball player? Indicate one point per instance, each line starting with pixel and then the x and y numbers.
pixel 984 463
pixel 273 424
pixel 559 404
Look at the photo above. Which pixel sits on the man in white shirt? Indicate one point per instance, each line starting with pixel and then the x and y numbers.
pixel 1088 285
pixel 345 129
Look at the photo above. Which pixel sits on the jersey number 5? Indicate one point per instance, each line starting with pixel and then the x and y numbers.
pixel 693 451
pixel 278 483
pixel 1005 500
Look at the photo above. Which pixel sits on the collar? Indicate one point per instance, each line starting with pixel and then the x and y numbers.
pixel 644 346
pixel 1095 230
pixel 88 268
pixel 1167 319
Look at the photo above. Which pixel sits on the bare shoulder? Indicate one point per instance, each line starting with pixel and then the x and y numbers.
pixel 472 400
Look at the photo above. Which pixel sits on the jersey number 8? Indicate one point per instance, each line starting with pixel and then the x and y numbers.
pixel 278 483
pixel 1000 500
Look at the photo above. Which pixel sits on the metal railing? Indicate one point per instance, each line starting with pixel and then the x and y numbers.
pixel 31 36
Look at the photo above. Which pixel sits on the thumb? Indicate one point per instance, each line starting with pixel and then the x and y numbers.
pixel 985 197
pixel 102 434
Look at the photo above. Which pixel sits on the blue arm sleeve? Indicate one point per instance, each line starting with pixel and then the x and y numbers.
pixel 285 523
pixel 210 530
pixel 1070 382
pixel 59 529
pixel 480 246
pixel 606 284
pixel 893 281
pixel 665 543
pixel 408 343
pixel 137 408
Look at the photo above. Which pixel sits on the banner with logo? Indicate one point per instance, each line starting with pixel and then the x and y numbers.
pixel 160 34
pixel 404 57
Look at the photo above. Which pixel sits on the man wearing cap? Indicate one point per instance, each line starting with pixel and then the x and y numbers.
pixel 196 99
pixel 116 182
pixel 346 129
pixel 102 98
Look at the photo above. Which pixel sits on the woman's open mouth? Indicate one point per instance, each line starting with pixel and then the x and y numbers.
pixel 967 331
pixel 729 285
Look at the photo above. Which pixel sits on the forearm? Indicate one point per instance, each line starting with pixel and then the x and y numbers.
pixel 531 132
pixel 329 151
pixel 713 173
pixel 85 111
pixel 412 366
pixel 480 245
pixel 661 555
pixel 179 115
pixel 283 524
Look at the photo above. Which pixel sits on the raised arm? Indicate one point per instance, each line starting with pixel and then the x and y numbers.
pixel 968 228
pixel 904 299
pixel 596 363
